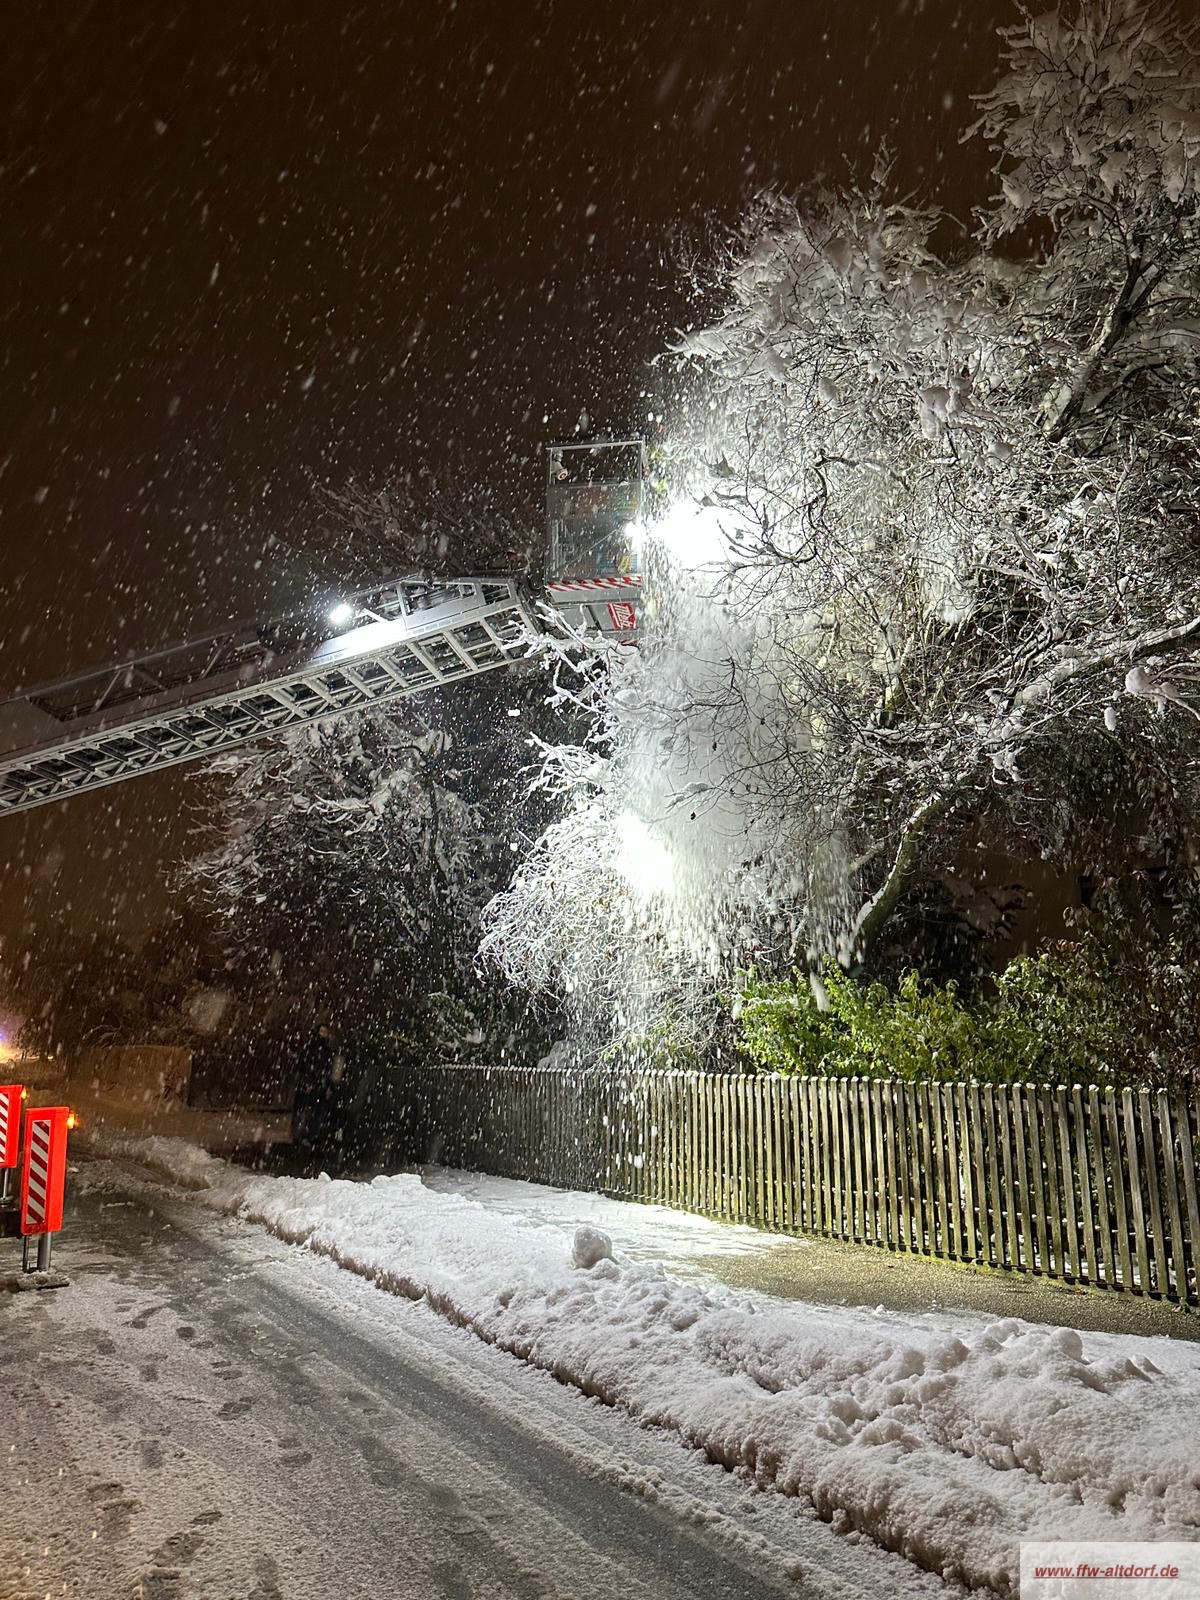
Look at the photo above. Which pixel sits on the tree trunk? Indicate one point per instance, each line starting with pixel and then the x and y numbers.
pixel 875 912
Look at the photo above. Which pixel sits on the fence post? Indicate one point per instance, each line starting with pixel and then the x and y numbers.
pixel 1011 1252
pixel 1099 1186
pixel 1134 1168
pixel 826 1089
pixel 1119 1167
pixel 1067 1168
pixel 1157 1241
pixel 1190 1288
pixel 1087 1207
pixel 1171 1175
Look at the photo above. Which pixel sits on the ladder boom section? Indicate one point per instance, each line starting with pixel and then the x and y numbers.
pixel 247 682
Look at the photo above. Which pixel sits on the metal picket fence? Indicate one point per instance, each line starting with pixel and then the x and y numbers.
pixel 1094 1186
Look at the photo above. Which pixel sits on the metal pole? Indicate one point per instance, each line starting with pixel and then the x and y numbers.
pixel 43 1252
pixel 25 1254
pixel 5 1186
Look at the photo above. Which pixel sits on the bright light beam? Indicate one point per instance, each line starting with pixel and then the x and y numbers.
pixel 692 535
pixel 643 861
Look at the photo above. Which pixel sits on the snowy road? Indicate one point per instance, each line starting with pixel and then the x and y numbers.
pixel 208 1412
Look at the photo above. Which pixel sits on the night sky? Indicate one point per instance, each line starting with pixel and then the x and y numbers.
pixel 252 249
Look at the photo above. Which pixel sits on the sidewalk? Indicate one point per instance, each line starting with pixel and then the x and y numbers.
pixel 821 1271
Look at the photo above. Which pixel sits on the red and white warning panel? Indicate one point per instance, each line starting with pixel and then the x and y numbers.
pixel 45 1169
pixel 10 1124
pixel 609 604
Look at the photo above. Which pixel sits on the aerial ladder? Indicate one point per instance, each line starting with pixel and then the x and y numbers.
pixel 382 643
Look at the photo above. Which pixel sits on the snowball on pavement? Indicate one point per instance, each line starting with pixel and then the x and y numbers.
pixel 591 1247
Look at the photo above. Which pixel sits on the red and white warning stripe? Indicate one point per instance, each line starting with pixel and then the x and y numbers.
pixel 45 1169
pixel 631 580
pixel 37 1181
pixel 10 1122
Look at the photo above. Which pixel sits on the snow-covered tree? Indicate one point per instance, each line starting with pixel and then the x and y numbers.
pixel 348 863
pixel 583 917
pixel 316 822
pixel 446 524
pixel 348 869
pixel 935 536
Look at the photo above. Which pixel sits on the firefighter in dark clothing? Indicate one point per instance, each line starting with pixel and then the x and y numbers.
pixel 314 1109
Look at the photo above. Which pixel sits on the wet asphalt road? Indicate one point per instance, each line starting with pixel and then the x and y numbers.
pixel 208 1414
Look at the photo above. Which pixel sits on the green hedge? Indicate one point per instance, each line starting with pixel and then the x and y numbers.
pixel 1076 1013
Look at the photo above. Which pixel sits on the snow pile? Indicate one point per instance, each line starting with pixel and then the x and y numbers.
pixel 946 1442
